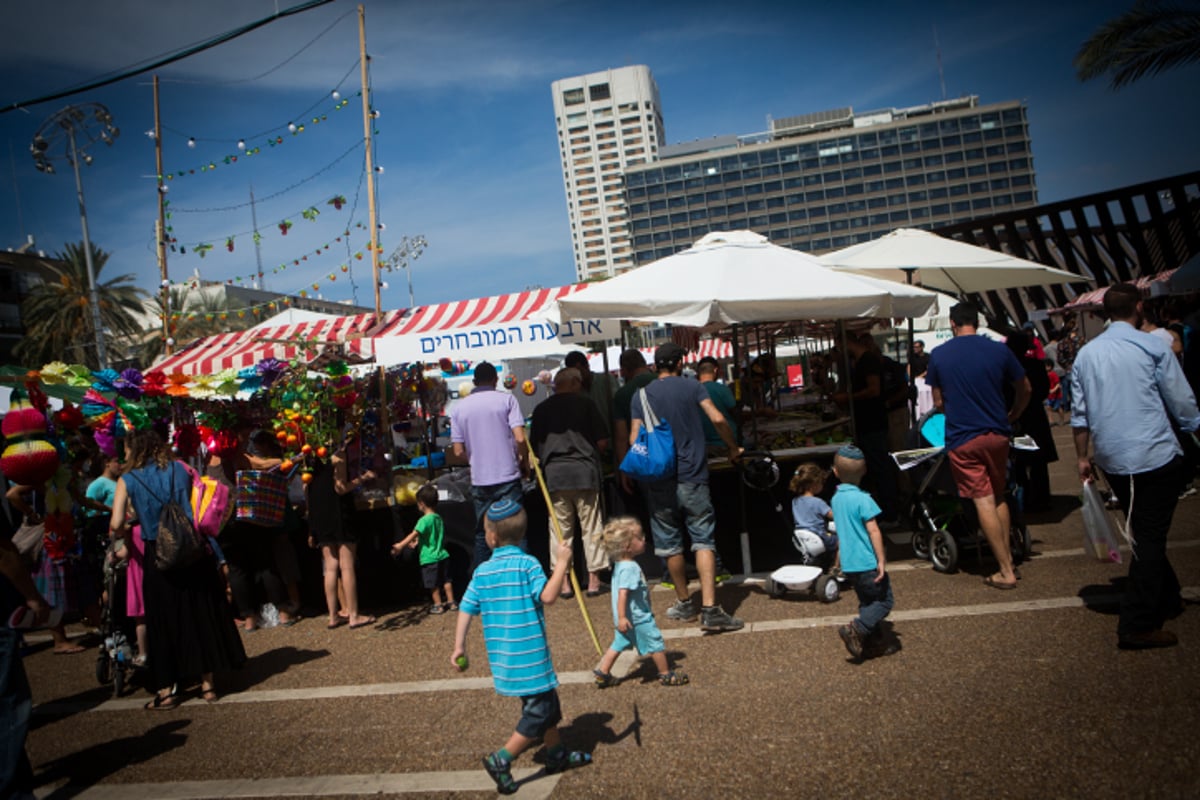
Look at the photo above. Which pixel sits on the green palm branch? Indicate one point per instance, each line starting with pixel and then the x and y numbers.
pixel 1151 37
pixel 57 314
pixel 199 316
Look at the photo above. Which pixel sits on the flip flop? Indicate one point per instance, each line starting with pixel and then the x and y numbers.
pixel 340 622
pixel 364 623
pixel 160 703
pixel 995 584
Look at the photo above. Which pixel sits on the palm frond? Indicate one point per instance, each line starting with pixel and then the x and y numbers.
pixel 1148 39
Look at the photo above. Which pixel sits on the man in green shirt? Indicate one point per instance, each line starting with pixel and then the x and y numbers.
pixel 722 397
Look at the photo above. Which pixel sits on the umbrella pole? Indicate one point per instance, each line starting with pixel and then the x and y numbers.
pixel 912 403
pixel 849 379
pixel 541 479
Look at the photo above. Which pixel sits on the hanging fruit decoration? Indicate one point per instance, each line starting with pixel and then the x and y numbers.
pixel 510 381
pixel 528 387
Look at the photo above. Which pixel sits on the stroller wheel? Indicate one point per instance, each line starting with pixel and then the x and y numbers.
pixel 943 551
pixel 1022 542
pixel 920 544
pixel 103 668
pixel 774 588
pixel 827 589
pixel 119 680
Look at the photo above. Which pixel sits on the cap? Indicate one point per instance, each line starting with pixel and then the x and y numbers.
pixel 851 452
pixel 503 509
pixel 668 354
pixel 1028 325
pixel 485 373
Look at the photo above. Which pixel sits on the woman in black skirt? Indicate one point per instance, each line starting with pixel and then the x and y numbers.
pixel 190 630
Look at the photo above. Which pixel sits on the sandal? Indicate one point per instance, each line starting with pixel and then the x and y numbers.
pixel 604 679
pixel 995 583
pixel 568 760
pixel 161 703
pixel 673 678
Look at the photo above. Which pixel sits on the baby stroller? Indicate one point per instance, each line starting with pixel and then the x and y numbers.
pixel 114 660
pixel 943 523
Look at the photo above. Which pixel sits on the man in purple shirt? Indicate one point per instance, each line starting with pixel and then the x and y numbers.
pixel 488 429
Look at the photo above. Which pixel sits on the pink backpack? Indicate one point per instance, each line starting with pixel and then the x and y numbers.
pixel 211 506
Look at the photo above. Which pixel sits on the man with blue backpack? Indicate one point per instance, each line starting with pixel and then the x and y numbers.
pixel 682 497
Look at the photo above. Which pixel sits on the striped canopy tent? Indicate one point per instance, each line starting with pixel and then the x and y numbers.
pixel 1146 283
pixel 425 333
pixel 715 348
pixel 308 338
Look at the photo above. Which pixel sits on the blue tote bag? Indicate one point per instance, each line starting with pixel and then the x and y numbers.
pixel 652 455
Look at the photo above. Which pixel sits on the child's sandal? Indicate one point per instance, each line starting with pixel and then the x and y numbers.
pixel 568 760
pixel 604 679
pixel 673 679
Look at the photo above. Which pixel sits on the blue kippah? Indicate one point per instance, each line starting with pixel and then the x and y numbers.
pixel 851 452
pixel 503 509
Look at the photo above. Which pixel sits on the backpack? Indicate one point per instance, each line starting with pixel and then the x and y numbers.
pixel 894 382
pixel 178 544
pixel 211 506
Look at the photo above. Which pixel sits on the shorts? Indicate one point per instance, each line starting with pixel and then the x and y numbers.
pixel 673 506
pixel 435 574
pixel 647 638
pixel 980 467
pixel 539 713
pixel 1056 404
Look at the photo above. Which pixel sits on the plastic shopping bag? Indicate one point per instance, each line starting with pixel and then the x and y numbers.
pixel 1099 527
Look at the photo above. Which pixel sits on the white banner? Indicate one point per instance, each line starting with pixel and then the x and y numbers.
pixel 524 339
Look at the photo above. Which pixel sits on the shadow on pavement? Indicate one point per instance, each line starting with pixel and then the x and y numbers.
pixel 273 662
pixel 1104 598
pixel 88 767
pixel 648 673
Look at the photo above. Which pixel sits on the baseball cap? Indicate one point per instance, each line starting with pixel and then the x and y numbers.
pixel 668 354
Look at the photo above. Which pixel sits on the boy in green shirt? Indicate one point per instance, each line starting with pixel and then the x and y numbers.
pixel 434 559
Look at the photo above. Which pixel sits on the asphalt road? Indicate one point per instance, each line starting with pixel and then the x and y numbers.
pixel 993 695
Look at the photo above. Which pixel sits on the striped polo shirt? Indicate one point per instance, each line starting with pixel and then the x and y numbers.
pixel 506 592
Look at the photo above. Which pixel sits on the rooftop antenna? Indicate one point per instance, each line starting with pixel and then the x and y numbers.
pixel 941 75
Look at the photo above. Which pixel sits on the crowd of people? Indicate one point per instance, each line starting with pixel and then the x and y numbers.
pixel 1125 394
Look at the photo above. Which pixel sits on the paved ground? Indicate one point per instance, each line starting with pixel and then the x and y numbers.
pixel 994 694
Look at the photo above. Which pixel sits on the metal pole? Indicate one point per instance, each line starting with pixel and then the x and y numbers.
pixel 165 284
pixel 912 403
pixel 366 104
pixel 93 295
pixel 408 272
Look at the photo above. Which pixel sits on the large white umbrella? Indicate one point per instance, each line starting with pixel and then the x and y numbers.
pixel 947 265
pixel 739 277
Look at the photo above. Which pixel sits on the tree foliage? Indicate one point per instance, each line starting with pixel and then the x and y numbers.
pixel 1151 37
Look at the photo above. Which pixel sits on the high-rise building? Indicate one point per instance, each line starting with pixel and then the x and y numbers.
pixel 824 181
pixel 607 121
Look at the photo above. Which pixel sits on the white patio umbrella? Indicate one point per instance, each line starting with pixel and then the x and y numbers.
pixel 1187 278
pixel 739 277
pixel 947 265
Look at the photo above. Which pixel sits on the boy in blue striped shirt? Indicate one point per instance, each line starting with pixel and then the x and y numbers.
pixel 510 591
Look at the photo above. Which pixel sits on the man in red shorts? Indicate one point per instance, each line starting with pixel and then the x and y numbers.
pixel 967 375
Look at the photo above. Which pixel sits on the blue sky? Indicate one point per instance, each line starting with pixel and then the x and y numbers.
pixel 466 128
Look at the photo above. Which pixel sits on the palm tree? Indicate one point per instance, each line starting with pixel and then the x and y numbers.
pixel 57 314
pixel 201 313
pixel 1151 37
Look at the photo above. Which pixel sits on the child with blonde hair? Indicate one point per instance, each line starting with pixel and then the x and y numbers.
pixel 632 616
pixel 810 513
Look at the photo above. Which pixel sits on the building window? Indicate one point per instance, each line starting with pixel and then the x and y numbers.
pixel 572 97
pixel 599 92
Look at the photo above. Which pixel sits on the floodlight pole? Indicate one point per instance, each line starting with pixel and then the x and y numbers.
pixel 93 294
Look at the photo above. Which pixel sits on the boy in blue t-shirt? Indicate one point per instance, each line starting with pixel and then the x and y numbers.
pixel 863 562
pixel 509 591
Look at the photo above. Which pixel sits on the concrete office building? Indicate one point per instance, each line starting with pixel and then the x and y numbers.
pixel 607 121
pixel 824 181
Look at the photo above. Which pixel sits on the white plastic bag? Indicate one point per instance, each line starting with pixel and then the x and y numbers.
pixel 1099 527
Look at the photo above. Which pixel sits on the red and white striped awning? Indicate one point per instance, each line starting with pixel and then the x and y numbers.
pixel 1095 298
pixel 714 348
pixel 246 348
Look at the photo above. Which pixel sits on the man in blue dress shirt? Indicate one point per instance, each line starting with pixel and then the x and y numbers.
pixel 1127 387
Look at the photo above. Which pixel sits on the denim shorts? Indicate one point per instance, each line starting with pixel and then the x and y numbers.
pixel 674 506
pixel 539 713
pixel 646 638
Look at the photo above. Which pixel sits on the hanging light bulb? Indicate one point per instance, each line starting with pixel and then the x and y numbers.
pixel 375 113
pixel 292 127
pixel 336 94
pixel 241 144
pixel 379 170
pixel 192 142
pixel 150 134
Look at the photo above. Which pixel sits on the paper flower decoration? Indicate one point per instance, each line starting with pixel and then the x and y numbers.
pixel 102 381
pixel 129 384
pixel 269 369
pixel 227 382
pixel 202 386
pixel 154 384
pixel 68 418
pixel 54 374
pixel 177 384
pixel 187 440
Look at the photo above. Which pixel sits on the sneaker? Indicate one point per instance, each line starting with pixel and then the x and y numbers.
pixel 722 576
pixel 682 610
pixel 715 619
pixel 437 609
pixel 501 772
pixel 666 583
pixel 604 679
pixel 852 638
pixel 674 678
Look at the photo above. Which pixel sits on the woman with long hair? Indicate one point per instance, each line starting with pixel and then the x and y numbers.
pixel 190 630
